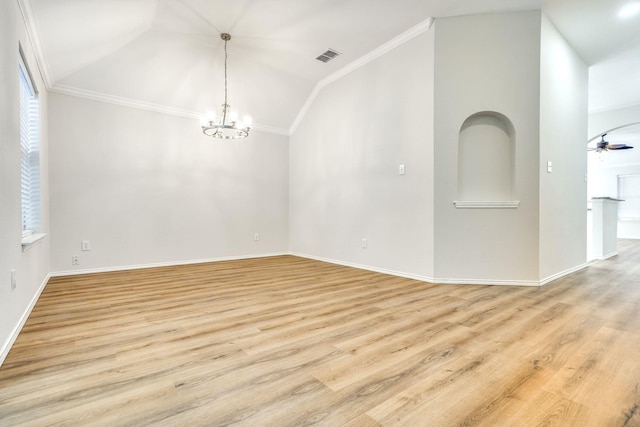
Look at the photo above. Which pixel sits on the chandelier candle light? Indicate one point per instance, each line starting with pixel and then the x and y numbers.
pixel 226 124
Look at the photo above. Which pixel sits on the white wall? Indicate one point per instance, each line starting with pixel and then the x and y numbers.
pixel 31 266
pixel 604 168
pixel 487 63
pixel 147 188
pixel 563 136
pixel 605 121
pixel 603 182
pixel 344 159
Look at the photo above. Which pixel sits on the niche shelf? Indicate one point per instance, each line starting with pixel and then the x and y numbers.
pixel 508 204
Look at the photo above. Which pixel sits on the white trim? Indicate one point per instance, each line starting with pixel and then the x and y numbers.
pixel 365 267
pixel 509 204
pixel 16 331
pixel 358 63
pixel 34 36
pixel 485 282
pixel 607 256
pixel 269 129
pixel 148 106
pixel 440 280
pixel 161 264
pixel 563 273
pixel 33 33
pixel 29 240
pixel 305 108
pixel 118 100
pixel 443 281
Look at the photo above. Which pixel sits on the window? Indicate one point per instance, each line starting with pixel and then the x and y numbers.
pixel 29 152
pixel 629 191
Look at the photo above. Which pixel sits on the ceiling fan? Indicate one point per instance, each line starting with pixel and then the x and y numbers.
pixel 605 146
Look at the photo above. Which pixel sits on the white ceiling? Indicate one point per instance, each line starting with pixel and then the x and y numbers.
pixel 169 53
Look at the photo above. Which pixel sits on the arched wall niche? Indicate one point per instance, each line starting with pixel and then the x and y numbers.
pixel 486 161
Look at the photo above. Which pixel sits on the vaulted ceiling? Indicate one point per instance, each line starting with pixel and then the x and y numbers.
pixel 168 55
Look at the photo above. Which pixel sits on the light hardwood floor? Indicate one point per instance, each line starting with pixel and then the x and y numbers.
pixel 289 341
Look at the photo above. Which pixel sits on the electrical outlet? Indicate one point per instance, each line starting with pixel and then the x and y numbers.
pixel 256 237
pixel 75 260
pixel 364 243
pixel 401 170
pixel 13 280
pixel 86 245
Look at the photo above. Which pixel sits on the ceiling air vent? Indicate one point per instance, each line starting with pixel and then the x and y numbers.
pixel 328 55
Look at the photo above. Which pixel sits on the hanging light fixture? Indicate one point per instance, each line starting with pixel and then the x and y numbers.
pixel 225 124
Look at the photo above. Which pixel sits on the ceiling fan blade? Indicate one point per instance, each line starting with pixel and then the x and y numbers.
pixel 619 147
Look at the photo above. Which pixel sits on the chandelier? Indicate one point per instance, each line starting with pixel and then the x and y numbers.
pixel 225 124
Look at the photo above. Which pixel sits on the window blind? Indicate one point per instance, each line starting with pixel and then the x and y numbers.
pixel 29 154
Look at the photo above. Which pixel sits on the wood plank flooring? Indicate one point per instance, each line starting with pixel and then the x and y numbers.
pixel 286 341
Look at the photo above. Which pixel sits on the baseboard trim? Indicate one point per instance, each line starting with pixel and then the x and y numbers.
pixel 161 264
pixel 563 273
pixel 447 281
pixel 485 282
pixel 365 267
pixel 440 281
pixel 607 256
pixel 16 331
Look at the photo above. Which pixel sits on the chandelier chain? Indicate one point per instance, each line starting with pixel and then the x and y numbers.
pixel 225 71
pixel 224 109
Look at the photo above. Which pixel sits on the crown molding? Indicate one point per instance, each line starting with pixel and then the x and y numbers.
pixel 399 40
pixel 119 100
pixel 269 129
pixel 34 36
pixel 35 40
pixel 33 33
pixel 148 106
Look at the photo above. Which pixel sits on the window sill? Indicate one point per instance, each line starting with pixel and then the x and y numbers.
pixel 30 240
